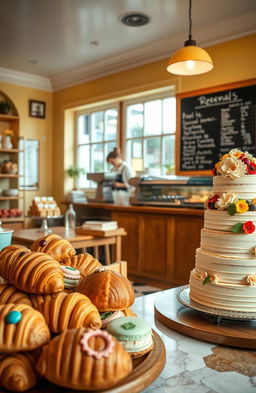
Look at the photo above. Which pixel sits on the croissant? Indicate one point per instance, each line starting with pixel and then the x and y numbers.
pixel 10 294
pixel 85 360
pixel 18 372
pixel 32 272
pixel 21 328
pixel 107 290
pixel 66 311
pixel 85 263
pixel 55 246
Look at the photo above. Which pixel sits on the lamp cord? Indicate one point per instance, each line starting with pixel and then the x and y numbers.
pixel 190 20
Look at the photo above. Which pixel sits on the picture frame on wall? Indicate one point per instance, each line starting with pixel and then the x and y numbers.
pixel 37 109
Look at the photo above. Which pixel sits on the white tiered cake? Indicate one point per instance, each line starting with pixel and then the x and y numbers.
pixel 224 276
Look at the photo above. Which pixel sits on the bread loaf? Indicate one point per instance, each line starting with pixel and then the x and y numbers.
pixel 32 272
pixel 55 246
pixel 66 311
pixel 107 290
pixel 66 362
pixel 21 328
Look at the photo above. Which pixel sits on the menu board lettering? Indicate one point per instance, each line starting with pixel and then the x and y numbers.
pixel 212 124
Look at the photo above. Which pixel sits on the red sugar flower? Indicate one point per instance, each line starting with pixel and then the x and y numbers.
pixel 211 201
pixel 248 227
pixel 251 169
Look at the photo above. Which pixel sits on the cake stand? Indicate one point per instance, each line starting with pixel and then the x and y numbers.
pixel 174 309
pixel 44 226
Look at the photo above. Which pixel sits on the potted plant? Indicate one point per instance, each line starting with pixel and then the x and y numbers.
pixel 74 172
pixel 5 107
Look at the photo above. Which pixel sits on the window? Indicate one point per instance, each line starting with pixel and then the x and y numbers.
pixel 150 127
pixel 96 137
pixel 29 164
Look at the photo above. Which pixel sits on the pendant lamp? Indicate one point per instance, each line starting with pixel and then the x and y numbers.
pixel 190 60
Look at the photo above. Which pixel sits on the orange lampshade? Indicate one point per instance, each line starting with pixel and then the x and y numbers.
pixel 190 60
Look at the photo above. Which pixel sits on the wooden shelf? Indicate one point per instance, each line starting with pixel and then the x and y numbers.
pixel 8 117
pixel 9 175
pixel 12 219
pixel 11 150
pixel 3 198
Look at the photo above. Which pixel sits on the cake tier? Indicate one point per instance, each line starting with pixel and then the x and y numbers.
pixel 244 186
pixel 228 270
pixel 223 296
pixel 220 220
pixel 237 245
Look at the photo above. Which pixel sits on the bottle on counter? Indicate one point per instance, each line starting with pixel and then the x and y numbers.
pixel 70 218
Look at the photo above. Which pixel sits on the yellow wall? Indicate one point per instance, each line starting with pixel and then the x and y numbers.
pixel 35 128
pixel 233 61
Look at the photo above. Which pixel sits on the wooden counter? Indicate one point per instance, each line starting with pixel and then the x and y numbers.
pixel 160 244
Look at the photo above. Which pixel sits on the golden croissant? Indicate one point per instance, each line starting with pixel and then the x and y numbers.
pixel 67 361
pixel 107 290
pixel 32 272
pixel 18 372
pixel 55 246
pixel 21 328
pixel 10 294
pixel 85 263
pixel 66 311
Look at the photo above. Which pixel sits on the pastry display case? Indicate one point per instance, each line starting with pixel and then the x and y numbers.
pixel 171 191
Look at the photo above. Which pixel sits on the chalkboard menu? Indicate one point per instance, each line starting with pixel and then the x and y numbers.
pixel 212 123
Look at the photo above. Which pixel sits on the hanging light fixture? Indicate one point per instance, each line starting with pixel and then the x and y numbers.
pixel 190 60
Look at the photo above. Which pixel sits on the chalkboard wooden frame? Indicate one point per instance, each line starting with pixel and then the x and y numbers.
pixel 195 93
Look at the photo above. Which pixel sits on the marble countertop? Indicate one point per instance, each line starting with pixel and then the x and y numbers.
pixel 194 366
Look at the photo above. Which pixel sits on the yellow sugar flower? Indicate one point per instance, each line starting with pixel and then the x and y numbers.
pixel 217 164
pixel 242 206
pixel 225 156
pixel 254 201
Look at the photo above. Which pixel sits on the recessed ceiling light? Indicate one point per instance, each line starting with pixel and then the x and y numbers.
pixel 134 19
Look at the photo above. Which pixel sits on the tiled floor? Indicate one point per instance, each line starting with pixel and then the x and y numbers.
pixel 142 289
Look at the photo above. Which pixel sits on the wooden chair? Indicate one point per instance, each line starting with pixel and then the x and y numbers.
pixel 118 267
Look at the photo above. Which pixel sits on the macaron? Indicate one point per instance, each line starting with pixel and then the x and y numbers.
pixel 71 277
pixel 135 335
pixel 108 316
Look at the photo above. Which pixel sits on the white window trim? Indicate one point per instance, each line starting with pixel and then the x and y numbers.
pixel 141 100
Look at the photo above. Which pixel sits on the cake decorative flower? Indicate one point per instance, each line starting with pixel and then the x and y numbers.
pixel 242 206
pixel 225 200
pixel 235 164
pixel 248 227
pixel 203 275
pixel 251 279
pixel 212 201
pixel 254 250
pixel 232 167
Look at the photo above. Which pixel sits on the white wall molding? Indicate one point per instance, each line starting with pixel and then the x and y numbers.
pixel 24 79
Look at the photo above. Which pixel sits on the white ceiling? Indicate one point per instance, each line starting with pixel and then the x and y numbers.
pixel 51 38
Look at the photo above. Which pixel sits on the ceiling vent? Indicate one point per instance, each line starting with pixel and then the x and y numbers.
pixel 134 19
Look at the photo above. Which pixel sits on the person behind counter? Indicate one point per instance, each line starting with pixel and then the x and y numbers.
pixel 123 171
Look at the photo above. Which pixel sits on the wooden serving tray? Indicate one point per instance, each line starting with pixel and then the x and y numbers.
pixel 145 370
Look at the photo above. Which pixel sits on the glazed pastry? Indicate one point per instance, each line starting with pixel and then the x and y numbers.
pixel 32 272
pixel 85 263
pixel 84 359
pixel 21 328
pixel 55 246
pixel 10 294
pixel 66 311
pixel 17 371
pixel 71 277
pixel 108 290
pixel 134 334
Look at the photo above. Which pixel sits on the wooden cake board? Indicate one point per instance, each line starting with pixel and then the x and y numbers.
pixel 185 320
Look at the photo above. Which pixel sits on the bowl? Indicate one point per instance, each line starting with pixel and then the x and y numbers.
pixel 11 192
pixel 5 237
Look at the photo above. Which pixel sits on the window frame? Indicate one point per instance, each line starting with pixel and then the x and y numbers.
pixel 90 111
pixel 170 93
